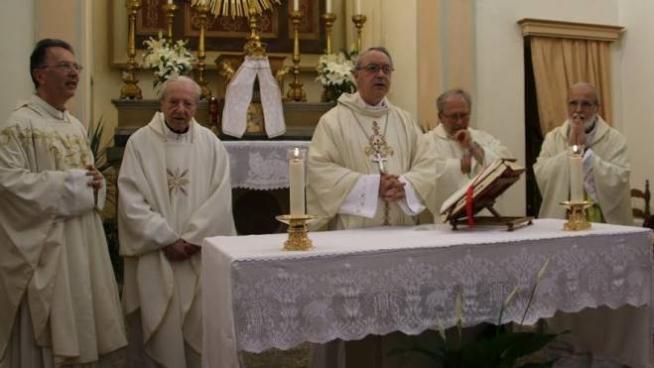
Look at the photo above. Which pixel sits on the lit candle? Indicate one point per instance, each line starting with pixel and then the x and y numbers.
pixel 296 181
pixel 296 5
pixel 358 7
pixel 328 6
pixel 576 177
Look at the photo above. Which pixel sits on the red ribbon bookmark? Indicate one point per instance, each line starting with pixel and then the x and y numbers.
pixel 469 205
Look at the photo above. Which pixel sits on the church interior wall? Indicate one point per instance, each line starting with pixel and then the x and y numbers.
pixel 17 28
pixel 636 87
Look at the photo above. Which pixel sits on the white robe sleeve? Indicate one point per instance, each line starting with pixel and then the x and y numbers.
pixel 363 198
pixel 411 204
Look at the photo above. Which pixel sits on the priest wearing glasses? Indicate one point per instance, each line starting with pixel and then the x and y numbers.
pixel 368 165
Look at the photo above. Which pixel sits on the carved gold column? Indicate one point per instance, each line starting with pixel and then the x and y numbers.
pixel 359 20
pixel 130 89
pixel 296 89
pixel 169 9
pixel 202 11
pixel 254 47
pixel 329 19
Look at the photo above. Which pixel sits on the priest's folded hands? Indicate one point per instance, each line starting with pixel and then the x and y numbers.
pixel 180 250
pixel 391 189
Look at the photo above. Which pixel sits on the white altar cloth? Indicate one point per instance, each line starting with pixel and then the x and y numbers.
pixel 379 280
pixel 260 165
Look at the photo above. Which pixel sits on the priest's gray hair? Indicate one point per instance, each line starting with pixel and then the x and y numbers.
pixel 182 79
pixel 442 99
pixel 381 49
pixel 592 88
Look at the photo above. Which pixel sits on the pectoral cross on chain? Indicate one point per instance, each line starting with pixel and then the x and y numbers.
pixel 380 150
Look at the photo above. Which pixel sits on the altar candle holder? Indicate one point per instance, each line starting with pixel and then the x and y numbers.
pixel 169 8
pixel 296 89
pixel 576 215
pixel 297 220
pixel 359 20
pixel 130 89
pixel 202 11
pixel 329 19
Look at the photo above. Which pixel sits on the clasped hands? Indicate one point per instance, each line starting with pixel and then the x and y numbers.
pixel 391 189
pixel 465 141
pixel 577 134
pixel 180 250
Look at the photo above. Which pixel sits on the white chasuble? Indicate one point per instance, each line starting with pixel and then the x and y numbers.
pixel 54 259
pixel 340 154
pixel 610 170
pixel 448 153
pixel 172 186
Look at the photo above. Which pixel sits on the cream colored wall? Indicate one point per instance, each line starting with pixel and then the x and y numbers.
pixel 17 28
pixel 636 87
pixel 499 104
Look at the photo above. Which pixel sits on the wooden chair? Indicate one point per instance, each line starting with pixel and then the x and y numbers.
pixel 645 213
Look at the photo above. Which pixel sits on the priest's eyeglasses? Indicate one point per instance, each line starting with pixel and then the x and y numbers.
pixel 66 66
pixel 583 104
pixel 375 68
pixel 456 116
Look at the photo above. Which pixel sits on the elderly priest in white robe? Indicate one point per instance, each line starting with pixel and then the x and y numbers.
pixel 175 190
pixel 462 152
pixel 605 161
pixel 59 302
pixel 368 165
pixel 606 183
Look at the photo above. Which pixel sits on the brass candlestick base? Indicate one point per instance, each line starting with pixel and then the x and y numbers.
pixel 359 20
pixel 297 231
pixel 577 215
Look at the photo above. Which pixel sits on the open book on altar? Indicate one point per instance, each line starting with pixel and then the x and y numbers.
pixel 487 185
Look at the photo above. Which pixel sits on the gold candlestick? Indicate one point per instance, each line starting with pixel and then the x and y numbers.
pixel 254 47
pixel 131 90
pixel 329 19
pixel 169 9
pixel 296 91
pixel 297 231
pixel 201 19
pixel 576 215
pixel 359 20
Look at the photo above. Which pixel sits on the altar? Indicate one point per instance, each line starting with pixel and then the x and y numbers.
pixel 379 280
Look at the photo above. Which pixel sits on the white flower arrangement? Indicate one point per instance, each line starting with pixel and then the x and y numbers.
pixel 167 58
pixel 335 74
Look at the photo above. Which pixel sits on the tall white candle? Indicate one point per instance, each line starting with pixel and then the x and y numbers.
pixel 358 7
pixel 328 6
pixel 296 5
pixel 576 178
pixel 296 182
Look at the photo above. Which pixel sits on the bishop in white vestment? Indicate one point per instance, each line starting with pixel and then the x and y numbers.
pixel 368 165
pixel 461 152
pixel 175 191
pixel 59 302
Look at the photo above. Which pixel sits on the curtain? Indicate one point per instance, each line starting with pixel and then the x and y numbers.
pixel 560 63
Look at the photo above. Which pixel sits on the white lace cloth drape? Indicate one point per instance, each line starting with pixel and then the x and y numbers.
pixel 260 165
pixel 378 280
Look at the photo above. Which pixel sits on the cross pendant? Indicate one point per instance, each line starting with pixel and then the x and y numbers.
pixel 380 159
